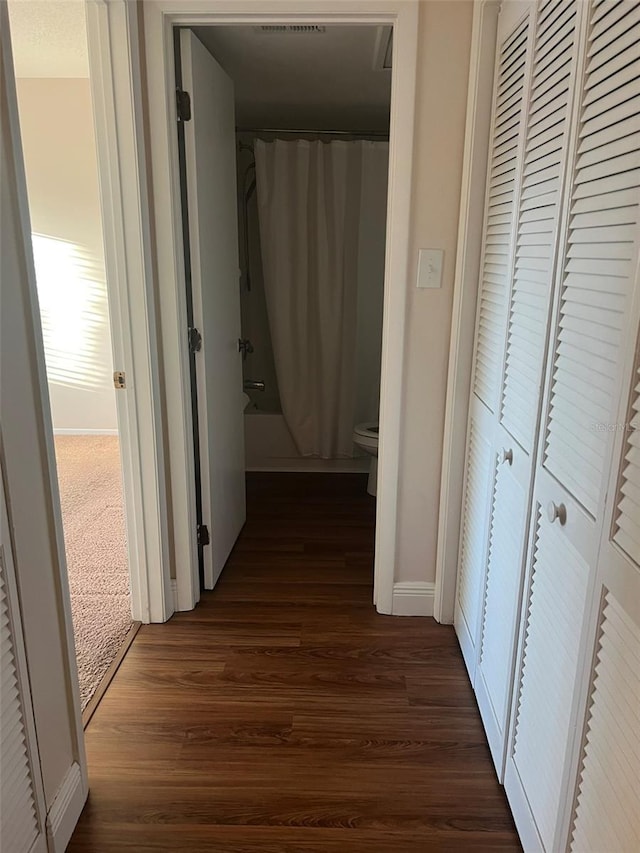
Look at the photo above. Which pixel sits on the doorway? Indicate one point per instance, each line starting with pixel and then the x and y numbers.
pixel 159 21
pixel 67 242
pixel 311 159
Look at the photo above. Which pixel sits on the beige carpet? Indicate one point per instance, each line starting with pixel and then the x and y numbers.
pixel 90 480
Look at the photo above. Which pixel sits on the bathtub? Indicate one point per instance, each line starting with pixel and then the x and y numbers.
pixel 268 446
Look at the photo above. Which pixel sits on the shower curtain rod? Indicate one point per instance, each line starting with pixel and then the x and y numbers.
pixel 358 133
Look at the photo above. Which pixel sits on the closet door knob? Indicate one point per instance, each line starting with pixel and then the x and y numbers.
pixel 556 512
pixel 506 456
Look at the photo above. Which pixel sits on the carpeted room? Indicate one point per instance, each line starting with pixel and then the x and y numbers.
pixel 64 205
pixel 90 479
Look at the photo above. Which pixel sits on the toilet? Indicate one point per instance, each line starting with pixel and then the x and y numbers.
pixel 365 436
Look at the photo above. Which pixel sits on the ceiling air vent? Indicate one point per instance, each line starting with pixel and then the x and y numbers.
pixel 291 29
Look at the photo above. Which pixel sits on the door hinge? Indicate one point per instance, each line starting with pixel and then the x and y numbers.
pixel 203 535
pixel 119 379
pixel 195 340
pixel 183 105
pixel 245 347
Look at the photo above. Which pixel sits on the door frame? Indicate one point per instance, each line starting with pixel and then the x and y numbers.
pixel 59 816
pixel 156 108
pixel 465 294
pixel 115 72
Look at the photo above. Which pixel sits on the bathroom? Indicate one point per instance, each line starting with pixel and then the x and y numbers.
pixel 312 152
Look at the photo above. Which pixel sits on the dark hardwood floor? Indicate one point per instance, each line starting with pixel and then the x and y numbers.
pixel 284 715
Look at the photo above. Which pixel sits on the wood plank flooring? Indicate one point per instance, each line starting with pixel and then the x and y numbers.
pixel 284 715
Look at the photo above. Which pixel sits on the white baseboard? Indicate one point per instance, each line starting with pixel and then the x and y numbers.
pixel 85 432
pixel 413 598
pixel 65 809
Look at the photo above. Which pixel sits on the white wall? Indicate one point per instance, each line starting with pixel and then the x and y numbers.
pixel 62 179
pixel 443 67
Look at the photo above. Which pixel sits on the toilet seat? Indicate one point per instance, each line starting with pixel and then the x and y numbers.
pixel 365 436
pixel 367 430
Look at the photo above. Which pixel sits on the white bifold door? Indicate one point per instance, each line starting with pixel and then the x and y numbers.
pixel 210 159
pixel 548 599
pixel 536 64
pixel 22 827
pixel 603 811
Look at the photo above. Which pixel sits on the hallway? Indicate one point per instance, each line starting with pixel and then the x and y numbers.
pixel 285 715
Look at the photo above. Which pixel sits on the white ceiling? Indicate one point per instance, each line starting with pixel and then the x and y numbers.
pixel 49 38
pixel 317 81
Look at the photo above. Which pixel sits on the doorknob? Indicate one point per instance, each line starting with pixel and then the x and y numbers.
pixel 556 512
pixel 505 456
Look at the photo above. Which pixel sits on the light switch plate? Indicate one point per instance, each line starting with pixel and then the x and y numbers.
pixel 430 263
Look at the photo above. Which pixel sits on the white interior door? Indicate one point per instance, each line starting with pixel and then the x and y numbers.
pixel 519 232
pixel 505 158
pixel 210 153
pixel 23 810
pixel 539 196
pixel 602 804
pixel 592 334
pixel 605 814
pixel 603 811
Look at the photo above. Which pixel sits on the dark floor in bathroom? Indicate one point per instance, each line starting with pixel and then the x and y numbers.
pixel 284 715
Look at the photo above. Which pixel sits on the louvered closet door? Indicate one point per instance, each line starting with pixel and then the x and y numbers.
pixel 505 159
pixel 21 798
pixel 592 332
pixel 605 813
pixel 604 809
pixel 539 204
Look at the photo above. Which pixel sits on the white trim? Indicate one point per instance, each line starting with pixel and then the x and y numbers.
pixel 476 149
pixel 413 598
pixel 85 432
pixel 113 42
pixel 495 734
pixel 521 811
pixel 396 286
pixel 166 216
pixel 65 809
pixel 174 594
pixel 466 642
pixel 159 15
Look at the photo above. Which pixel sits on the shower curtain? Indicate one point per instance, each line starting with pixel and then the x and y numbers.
pixel 322 215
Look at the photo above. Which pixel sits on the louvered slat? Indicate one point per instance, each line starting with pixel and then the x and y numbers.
pixel 607 815
pixel 600 259
pixel 19 825
pixel 545 149
pixel 474 527
pixel 495 273
pixel 550 658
